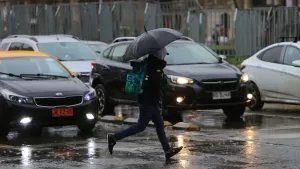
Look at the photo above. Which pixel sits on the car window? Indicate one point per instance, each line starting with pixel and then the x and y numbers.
pixel 272 55
pixel 32 65
pixel 189 53
pixel 27 47
pixel 106 53
pixel 15 46
pixel 118 52
pixel 4 46
pixel 291 54
pixel 97 47
pixel 68 51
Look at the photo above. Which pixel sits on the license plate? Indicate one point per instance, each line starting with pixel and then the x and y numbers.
pixel 221 95
pixel 62 112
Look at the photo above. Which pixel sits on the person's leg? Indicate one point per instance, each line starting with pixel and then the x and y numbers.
pixel 144 119
pixel 160 129
pixel 145 116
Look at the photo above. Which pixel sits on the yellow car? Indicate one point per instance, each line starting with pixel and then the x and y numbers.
pixel 38 91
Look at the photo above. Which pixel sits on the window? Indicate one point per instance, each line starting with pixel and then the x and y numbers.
pixel 106 53
pixel 15 46
pixel 272 55
pixel 118 52
pixel 291 55
pixel 32 65
pixel 189 53
pixel 27 47
pixel 4 46
pixel 68 51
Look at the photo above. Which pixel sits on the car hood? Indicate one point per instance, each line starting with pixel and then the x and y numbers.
pixel 45 88
pixel 78 66
pixel 204 71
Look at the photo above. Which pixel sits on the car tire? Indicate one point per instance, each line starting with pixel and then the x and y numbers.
pixel 86 127
pixel 105 108
pixel 234 112
pixel 5 118
pixel 256 103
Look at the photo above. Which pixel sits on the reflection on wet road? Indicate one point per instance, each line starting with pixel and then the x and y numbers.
pixel 258 140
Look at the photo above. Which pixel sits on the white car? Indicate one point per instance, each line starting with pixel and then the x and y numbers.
pixel 274 73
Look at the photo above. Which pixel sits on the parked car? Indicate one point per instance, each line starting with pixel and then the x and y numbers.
pixel 97 46
pixel 37 91
pixel 274 74
pixel 76 55
pixel 198 79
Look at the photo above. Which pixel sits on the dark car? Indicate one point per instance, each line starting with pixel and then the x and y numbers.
pixel 37 91
pixel 198 79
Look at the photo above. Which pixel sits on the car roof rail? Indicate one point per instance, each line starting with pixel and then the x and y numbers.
pixel 122 39
pixel 66 35
pixel 187 38
pixel 284 38
pixel 23 36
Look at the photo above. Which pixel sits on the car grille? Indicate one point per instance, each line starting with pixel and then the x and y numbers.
pixel 220 85
pixel 58 101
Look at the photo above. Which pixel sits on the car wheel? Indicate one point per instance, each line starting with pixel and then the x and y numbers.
pixel 256 103
pixel 86 128
pixel 234 112
pixel 5 118
pixel 105 107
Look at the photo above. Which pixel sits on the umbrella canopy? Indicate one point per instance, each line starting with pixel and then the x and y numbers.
pixel 151 42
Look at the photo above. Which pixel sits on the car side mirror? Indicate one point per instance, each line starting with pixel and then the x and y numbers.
pixel 296 63
pixel 98 52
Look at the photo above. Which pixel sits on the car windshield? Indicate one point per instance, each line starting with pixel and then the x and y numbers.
pixel 97 47
pixel 14 67
pixel 189 53
pixel 68 51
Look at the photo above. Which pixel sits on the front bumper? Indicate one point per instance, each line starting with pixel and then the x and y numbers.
pixel 42 116
pixel 196 97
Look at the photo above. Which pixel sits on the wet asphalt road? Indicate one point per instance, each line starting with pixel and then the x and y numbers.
pixel 265 139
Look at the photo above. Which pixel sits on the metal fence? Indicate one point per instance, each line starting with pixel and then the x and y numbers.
pixel 230 32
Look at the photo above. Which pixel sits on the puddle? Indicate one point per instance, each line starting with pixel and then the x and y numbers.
pixel 219 121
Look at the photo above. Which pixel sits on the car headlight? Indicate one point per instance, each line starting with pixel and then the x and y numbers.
pixel 8 95
pixel 244 78
pixel 180 80
pixel 90 95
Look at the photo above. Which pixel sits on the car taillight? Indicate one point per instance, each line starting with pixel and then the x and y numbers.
pixel 242 67
pixel 93 64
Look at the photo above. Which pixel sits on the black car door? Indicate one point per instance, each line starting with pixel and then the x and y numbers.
pixel 121 69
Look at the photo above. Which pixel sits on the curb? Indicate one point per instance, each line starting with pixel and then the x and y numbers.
pixel 186 126
pixel 113 119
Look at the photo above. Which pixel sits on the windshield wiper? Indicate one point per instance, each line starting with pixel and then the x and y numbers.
pixel 42 75
pixel 10 74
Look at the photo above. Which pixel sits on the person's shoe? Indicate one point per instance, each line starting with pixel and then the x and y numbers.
pixel 172 152
pixel 111 142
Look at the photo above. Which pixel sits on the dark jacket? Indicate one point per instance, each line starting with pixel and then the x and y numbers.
pixel 154 82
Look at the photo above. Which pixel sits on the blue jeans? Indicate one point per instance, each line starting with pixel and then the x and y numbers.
pixel 147 112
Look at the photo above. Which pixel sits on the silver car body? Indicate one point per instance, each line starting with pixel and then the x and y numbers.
pixel 82 68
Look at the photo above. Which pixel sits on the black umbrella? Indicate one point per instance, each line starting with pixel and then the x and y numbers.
pixel 151 42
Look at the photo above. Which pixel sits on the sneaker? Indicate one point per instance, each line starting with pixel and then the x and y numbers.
pixel 172 152
pixel 111 142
